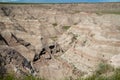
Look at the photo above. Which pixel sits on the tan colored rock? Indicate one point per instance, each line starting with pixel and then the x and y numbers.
pixel 28 54
pixel 8 37
pixel 47 55
pixel 2 26
pixel 49 67
pixel 14 61
pixel 34 40
pixel 115 60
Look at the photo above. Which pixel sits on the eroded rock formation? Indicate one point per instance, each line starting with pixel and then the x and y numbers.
pixel 58 41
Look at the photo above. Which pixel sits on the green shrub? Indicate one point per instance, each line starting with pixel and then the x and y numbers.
pixel 8 77
pixel 104 68
pixel 66 27
pixel 115 76
pixel 54 24
pixel 54 38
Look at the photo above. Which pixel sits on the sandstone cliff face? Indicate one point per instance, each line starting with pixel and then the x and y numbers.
pixel 58 41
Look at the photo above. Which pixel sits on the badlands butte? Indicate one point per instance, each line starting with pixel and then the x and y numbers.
pixel 58 41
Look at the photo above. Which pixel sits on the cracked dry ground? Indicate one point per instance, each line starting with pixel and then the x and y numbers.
pixel 54 42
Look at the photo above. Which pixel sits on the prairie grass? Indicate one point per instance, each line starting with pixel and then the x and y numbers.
pixel 99 74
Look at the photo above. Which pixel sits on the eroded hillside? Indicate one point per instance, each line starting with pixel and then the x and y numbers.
pixel 58 41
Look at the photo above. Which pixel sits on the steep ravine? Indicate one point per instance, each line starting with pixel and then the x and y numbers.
pixel 56 42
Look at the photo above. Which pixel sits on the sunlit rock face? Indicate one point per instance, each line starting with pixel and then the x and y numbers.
pixel 58 41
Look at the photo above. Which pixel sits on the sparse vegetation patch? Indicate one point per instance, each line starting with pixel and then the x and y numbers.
pixel 103 72
pixel 108 12
pixel 66 27
pixel 54 24
pixel 13 77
